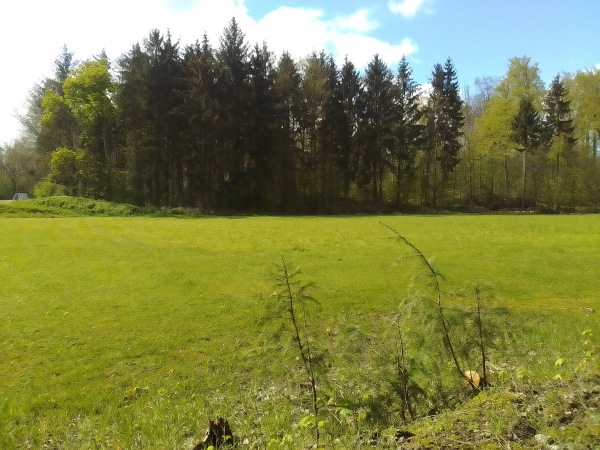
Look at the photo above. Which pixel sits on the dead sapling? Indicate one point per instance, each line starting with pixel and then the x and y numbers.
pixel 483 380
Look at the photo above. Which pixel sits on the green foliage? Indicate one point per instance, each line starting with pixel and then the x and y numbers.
pixel 57 123
pixel 77 171
pixel 522 80
pixel 53 105
pixel 444 119
pixel 47 188
pixel 65 167
pixel 88 92
pixel 235 128
pixel 493 129
pixel 408 130
pixel 526 127
pixel 375 130
pixel 20 167
pixel 87 206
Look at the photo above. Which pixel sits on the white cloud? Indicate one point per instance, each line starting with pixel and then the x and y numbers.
pixel 298 31
pixel 361 49
pixel 408 8
pixel 35 32
pixel 301 31
pixel 359 22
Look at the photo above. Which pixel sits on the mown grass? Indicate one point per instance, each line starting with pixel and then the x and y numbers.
pixel 130 332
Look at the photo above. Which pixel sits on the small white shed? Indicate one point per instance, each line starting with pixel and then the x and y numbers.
pixel 20 196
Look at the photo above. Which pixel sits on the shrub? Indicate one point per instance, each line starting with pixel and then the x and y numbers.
pixel 47 188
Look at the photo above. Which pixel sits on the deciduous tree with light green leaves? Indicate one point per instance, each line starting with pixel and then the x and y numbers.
pixel 584 92
pixel 75 172
pixel 89 93
pixel 58 125
pixel 494 132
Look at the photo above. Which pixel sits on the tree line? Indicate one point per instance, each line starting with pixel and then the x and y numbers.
pixel 235 128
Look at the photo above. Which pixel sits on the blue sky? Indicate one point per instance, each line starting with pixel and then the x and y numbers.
pixel 479 35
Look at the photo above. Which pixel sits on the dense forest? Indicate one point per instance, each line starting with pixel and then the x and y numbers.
pixel 235 128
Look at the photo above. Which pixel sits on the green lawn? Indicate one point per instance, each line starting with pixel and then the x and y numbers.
pixel 131 332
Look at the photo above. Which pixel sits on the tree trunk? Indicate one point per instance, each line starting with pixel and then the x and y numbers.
pixel 524 175
pixel 506 185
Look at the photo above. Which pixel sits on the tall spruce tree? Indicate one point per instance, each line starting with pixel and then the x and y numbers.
pixel 558 134
pixel 165 73
pixel 407 128
pixel 455 119
pixel 315 91
pixel 526 134
pixel 349 92
pixel 203 162
pixel 558 120
pixel 376 118
pixel 435 120
pixel 444 123
pixel 286 87
pixel 330 184
pixel 134 117
pixel 261 130
pixel 232 64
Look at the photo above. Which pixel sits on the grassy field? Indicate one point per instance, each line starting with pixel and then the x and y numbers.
pixel 130 332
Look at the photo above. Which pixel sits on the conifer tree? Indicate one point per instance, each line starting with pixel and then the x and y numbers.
pixel 455 119
pixel 444 124
pixel 376 118
pixel 204 163
pixel 330 184
pixel 526 133
pixel 164 78
pixel 134 116
pixel 232 64
pixel 286 87
pixel 261 130
pixel 557 110
pixel 314 123
pixel 407 129
pixel 558 134
pixel 350 89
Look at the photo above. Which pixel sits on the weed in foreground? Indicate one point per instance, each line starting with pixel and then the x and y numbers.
pixel 290 304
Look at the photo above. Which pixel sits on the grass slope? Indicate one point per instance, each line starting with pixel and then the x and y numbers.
pixel 131 332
